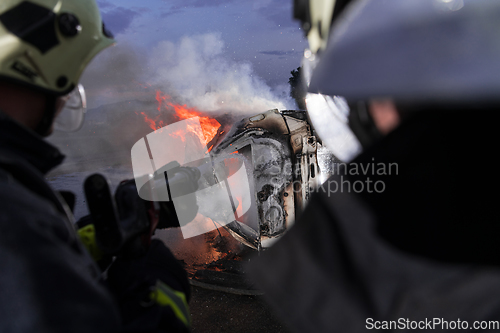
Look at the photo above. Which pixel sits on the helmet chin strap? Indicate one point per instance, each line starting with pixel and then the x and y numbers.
pixel 45 125
pixel 362 124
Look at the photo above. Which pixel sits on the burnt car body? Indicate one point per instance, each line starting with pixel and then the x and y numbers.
pixel 280 152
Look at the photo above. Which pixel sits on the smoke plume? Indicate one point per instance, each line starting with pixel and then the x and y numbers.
pixel 196 70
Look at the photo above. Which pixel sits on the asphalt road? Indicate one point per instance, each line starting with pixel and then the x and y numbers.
pixel 215 311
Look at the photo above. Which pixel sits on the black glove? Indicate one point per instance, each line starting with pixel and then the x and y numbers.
pixel 134 281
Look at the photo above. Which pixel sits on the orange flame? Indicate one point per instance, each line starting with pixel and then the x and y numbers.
pixel 209 126
pixel 153 123
pixel 239 209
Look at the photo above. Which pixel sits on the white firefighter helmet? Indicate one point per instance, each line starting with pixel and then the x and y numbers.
pixel 414 51
pixel 46 44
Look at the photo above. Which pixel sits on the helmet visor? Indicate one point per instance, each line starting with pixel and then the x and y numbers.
pixel 70 119
pixel 329 116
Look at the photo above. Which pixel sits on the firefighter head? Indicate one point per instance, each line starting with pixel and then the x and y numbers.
pixel 402 54
pixel 45 45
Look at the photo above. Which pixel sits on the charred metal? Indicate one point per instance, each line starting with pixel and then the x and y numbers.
pixel 282 151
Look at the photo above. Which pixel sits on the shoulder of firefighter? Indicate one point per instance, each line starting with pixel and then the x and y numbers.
pixel 49 281
pixel 414 247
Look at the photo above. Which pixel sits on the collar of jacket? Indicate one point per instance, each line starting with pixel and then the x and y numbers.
pixel 17 141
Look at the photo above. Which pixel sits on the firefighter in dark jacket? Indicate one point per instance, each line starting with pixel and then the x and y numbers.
pixel 48 280
pixel 419 248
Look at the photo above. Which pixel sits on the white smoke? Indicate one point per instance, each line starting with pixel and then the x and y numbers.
pixel 196 71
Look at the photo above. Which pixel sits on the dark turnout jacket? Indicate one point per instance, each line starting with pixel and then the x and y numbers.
pixel 48 281
pixel 424 253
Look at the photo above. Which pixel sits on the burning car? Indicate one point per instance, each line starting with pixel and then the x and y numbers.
pixel 281 154
pixel 253 181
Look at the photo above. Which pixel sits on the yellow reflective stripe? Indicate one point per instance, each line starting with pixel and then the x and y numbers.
pixel 87 236
pixel 166 296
